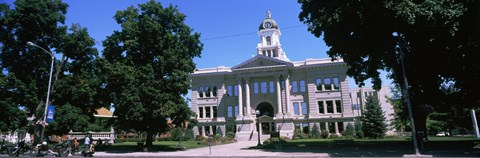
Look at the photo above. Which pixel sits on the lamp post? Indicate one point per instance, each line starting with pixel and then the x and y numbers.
pixel 405 94
pixel 258 127
pixel 49 84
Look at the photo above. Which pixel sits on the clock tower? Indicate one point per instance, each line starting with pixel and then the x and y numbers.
pixel 269 34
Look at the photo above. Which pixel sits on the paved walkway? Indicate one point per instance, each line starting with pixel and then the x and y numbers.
pixel 238 149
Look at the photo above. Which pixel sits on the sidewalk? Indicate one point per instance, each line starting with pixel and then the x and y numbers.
pixel 238 149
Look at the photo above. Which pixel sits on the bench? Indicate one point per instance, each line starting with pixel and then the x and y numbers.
pixel 343 141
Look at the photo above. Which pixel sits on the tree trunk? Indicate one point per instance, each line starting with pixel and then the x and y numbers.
pixel 149 139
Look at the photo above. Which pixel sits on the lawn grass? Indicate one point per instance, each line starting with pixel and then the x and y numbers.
pixel 125 147
pixel 387 147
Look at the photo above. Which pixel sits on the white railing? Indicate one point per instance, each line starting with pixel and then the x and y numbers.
pixel 106 137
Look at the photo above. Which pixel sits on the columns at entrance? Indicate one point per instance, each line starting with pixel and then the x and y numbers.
pixel 240 99
pixel 287 93
pixel 279 97
pixel 247 97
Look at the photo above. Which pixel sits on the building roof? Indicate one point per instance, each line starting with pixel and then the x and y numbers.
pixel 103 112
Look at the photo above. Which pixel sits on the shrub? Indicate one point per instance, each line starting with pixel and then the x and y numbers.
pixel 315 132
pixel 189 135
pixel 297 134
pixel 219 131
pixel 200 138
pixel 231 135
pixel 176 134
pixel 360 134
pixel 281 139
pixel 324 134
pixel 350 130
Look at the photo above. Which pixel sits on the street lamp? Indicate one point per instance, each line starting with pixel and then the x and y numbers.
pixel 49 84
pixel 258 127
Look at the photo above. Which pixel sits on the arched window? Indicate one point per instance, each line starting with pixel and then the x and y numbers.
pixel 269 41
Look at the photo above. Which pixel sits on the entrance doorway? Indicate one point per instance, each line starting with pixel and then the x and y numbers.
pixel 265 118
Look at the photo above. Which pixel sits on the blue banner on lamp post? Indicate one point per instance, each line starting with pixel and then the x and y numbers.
pixel 50 113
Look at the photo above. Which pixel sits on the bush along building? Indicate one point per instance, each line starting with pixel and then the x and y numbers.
pixel 268 93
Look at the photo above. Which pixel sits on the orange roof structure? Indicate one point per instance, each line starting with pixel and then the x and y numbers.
pixel 103 112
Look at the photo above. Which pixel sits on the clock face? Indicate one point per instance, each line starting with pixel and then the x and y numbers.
pixel 267 25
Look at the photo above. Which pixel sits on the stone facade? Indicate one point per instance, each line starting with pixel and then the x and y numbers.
pixel 271 90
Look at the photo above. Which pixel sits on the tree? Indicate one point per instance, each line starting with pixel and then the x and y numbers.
pixel 11 117
pixel 366 34
pixel 400 114
pixel 146 67
pixel 35 21
pixel 74 85
pixel 373 119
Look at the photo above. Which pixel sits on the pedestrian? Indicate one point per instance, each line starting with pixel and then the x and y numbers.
pixel 87 143
pixel 75 143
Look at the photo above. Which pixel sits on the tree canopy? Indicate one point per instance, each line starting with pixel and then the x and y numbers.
pixel 146 67
pixel 441 45
pixel 26 69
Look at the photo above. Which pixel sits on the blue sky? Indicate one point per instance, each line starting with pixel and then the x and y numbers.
pixel 228 28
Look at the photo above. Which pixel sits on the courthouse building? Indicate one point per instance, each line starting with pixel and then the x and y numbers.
pixel 271 91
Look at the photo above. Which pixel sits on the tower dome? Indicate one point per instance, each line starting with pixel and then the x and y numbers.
pixel 269 34
pixel 268 22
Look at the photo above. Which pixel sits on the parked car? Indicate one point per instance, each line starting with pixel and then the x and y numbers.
pixel 441 134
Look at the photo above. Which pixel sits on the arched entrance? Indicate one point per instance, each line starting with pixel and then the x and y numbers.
pixel 265 118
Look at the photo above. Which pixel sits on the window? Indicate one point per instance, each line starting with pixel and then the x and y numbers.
pixel 272 88
pixel 328 83
pixel 207 92
pixel 263 87
pixel 229 90
pixel 338 105
pixel 200 112
pixel 322 126
pixel 214 108
pixel 336 85
pixel 294 87
pixel 319 84
pixel 275 54
pixel 200 92
pixel 230 111
pixel 329 106
pixel 236 111
pixel 235 90
pixel 302 86
pixel 207 112
pixel 304 108
pixel 255 87
pixel 320 107
pixel 264 53
pixel 269 41
pixel 296 109
pixel 215 91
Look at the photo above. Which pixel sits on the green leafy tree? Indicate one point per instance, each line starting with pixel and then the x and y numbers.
pixel 400 114
pixel 373 119
pixel 11 117
pixel 74 84
pixel 38 22
pixel 368 34
pixel 437 122
pixel 146 68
